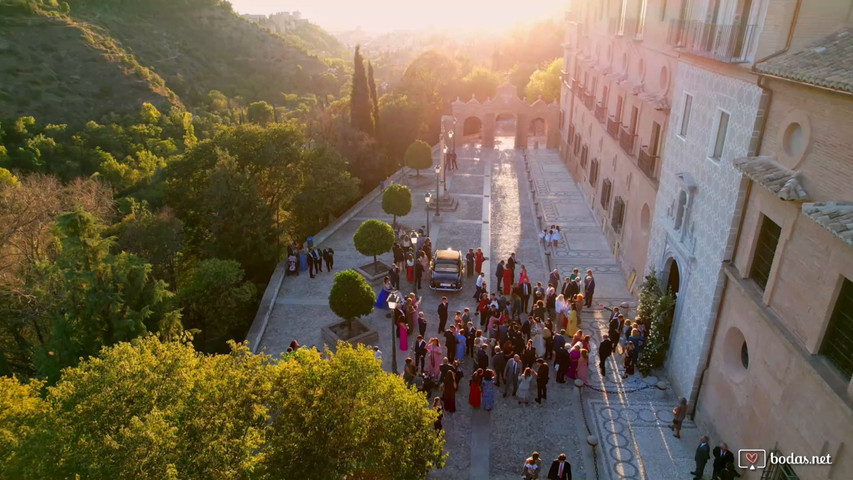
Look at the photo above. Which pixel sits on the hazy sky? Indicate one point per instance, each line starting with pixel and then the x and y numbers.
pixel 387 15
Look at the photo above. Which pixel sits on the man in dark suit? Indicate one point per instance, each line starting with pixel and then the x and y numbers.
pixel 318 259
pixel 420 352
pixel 499 274
pixel 329 257
pixel 469 262
pixel 722 456
pixel 511 373
pixel 510 265
pixel 525 290
pixel 483 357
pixel 450 343
pixel 419 272
pixel 542 380
pixel 613 329
pixel 562 359
pixel 560 469
pixel 499 362
pixel 310 258
pixel 605 348
pixel 703 453
pixel 442 314
pixel 394 276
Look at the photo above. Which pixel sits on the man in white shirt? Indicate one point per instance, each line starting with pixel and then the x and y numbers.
pixel 479 283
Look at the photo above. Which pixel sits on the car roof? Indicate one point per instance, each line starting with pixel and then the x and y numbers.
pixel 447 254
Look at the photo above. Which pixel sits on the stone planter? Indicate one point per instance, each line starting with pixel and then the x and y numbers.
pixel 373 271
pixel 361 334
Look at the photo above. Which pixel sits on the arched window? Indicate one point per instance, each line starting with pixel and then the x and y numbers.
pixel 679 211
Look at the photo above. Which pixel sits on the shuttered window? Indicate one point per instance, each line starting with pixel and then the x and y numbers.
pixel 605 194
pixel 838 342
pixel 593 172
pixel 618 214
pixel 765 250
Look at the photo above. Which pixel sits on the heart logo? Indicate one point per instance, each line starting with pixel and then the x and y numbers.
pixel 751 457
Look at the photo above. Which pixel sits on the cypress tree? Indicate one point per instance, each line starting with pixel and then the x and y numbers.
pixel 374 98
pixel 360 109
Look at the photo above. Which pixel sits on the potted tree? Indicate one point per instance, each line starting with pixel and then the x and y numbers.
pixel 397 200
pixel 351 297
pixel 418 156
pixel 374 237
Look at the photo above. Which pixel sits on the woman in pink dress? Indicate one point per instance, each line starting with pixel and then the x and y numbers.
pixel 522 277
pixel 404 336
pixel 434 357
pixel 583 366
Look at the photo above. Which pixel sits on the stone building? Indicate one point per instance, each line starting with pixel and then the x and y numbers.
pixel 717 116
pixel 781 361
pixel 617 90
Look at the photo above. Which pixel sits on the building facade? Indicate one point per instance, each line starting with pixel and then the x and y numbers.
pixel 782 357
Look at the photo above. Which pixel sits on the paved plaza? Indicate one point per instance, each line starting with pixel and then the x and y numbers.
pixel 497 212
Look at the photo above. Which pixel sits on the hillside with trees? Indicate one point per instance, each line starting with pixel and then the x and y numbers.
pixel 115 55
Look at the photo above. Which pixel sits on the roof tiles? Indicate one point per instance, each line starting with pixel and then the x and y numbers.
pixel 827 63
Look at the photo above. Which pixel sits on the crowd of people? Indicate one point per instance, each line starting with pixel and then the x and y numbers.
pixel 311 259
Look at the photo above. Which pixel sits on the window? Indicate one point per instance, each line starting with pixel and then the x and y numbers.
pixel 654 142
pixel 605 194
pixel 641 20
pixel 584 154
pixel 593 172
pixel 685 116
pixel 765 250
pixel 618 214
pixel 720 143
pixel 680 210
pixel 623 9
pixel 779 471
pixel 635 119
pixel 838 342
pixel 618 115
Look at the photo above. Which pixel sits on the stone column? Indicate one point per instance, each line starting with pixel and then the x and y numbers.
pixel 488 130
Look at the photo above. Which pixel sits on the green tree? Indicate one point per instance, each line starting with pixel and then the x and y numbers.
pixel 418 156
pixel 351 296
pixel 217 302
pixel 329 191
pixel 344 402
pixel 261 113
pixel 374 237
pixel 374 99
pixel 656 309
pixel 360 105
pixel 402 122
pixel 481 82
pixel 156 237
pixel 545 83
pixel 397 200
pixel 153 410
pixel 7 179
pixel 148 410
pixel 87 298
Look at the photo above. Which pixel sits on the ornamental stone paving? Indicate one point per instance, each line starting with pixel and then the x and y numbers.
pixel 498 212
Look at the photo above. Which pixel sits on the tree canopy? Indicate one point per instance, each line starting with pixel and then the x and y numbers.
pixel 418 155
pixel 374 237
pixel 351 296
pixel 397 200
pixel 361 108
pixel 545 82
pixel 153 410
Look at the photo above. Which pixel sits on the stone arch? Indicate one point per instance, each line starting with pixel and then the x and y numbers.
pixel 472 125
pixel 507 102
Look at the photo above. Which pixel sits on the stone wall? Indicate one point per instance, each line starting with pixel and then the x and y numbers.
pixel 713 189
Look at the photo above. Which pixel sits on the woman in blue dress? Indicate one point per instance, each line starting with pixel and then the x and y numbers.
pixel 382 298
pixel 489 390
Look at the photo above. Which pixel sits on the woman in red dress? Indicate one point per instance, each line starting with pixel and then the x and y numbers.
pixel 475 396
pixel 410 268
pixel 480 258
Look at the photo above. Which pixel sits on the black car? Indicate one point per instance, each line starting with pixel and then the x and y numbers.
pixel 447 269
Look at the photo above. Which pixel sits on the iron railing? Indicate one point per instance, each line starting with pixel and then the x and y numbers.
pixel 726 43
pixel 613 127
pixel 601 113
pixel 626 141
pixel 647 162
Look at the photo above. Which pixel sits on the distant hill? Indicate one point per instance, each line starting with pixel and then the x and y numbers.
pixel 303 33
pixel 87 58
pixel 54 68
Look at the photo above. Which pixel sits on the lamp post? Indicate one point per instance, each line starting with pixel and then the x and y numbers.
pixel 437 210
pixel 427 198
pixel 393 300
pixel 415 249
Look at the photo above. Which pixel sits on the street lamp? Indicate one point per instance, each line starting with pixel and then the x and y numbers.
pixel 437 171
pixel 393 300
pixel 417 261
pixel 427 198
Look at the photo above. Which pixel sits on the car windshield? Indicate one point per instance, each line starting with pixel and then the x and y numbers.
pixel 446 267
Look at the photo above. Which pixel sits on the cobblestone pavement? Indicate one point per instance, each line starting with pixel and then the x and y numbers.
pixel 496 212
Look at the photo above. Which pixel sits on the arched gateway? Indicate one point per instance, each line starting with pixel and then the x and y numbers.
pixel 504 105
